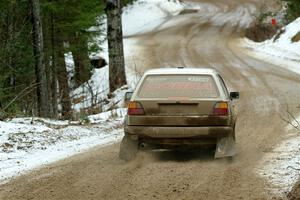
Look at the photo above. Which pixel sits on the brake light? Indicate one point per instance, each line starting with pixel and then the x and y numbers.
pixel 135 108
pixel 221 108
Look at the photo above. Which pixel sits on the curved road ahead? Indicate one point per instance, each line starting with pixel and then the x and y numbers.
pixel 205 38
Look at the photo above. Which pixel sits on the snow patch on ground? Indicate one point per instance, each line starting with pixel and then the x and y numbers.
pixel 7 128
pixel 279 51
pixel 93 91
pixel 146 15
pixel 280 166
pixel 27 143
pixel 39 121
pixel 102 117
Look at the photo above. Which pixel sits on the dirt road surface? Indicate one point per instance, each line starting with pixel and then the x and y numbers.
pixel 206 38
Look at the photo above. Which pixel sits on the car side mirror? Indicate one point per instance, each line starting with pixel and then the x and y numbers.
pixel 128 96
pixel 234 95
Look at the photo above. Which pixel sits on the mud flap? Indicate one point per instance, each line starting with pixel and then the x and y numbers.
pixel 225 147
pixel 128 148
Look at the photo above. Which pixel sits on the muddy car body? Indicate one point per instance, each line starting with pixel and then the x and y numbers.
pixel 179 107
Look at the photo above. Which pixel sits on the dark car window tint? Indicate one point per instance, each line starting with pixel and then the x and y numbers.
pixel 178 86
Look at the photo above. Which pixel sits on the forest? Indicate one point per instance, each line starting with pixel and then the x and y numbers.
pixel 64 26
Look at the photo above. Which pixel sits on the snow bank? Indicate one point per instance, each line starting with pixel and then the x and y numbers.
pixel 93 91
pixel 26 143
pixel 38 121
pixel 280 50
pixel 280 166
pixel 102 117
pixel 9 128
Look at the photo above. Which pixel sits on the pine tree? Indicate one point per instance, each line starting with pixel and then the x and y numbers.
pixel 67 31
pixel 16 58
pixel 293 9
pixel 40 67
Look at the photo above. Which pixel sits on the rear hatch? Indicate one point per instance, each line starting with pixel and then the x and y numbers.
pixel 178 100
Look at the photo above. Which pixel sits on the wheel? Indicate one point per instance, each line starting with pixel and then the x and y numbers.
pixel 128 148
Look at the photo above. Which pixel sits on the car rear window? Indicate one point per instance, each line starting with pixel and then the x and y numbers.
pixel 178 86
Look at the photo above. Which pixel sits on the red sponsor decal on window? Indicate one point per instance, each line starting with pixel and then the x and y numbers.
pixel 179 86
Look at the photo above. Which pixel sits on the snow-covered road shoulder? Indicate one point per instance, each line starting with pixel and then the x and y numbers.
pixel 282 50
pixel 26 144
pixel 281 165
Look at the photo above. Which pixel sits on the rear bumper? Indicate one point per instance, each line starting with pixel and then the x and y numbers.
pixel 179 132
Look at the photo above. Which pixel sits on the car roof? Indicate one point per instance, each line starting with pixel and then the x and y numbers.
pixel 181 70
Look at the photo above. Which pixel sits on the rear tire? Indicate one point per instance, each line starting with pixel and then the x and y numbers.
pixel 128 148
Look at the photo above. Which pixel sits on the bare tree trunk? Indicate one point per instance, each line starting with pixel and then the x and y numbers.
pixel 117 77
pixel 38 48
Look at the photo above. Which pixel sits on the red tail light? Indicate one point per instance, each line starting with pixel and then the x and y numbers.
pixel 135 108
pixel 221 108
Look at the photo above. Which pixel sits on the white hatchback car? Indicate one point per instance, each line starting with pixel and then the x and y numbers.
pixel 178 107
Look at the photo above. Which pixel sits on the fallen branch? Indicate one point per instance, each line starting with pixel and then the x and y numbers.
pixel 291 119
pixel 24 92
